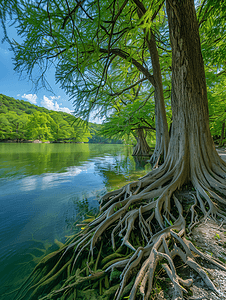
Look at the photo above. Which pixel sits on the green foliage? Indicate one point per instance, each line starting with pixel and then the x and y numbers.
pixel 39 127
pixel 101 55
pixel 20 120
pixel 99 137
pixel 98 48
pixel 211 16
pixel 217 100
pixel 128 119
pixel 13 126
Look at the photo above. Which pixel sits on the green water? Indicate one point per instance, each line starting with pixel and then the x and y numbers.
pixel 44 189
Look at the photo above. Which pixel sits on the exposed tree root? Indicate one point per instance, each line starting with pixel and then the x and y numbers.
pixel 142 226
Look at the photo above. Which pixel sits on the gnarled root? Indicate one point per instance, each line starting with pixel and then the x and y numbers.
pixel 142 226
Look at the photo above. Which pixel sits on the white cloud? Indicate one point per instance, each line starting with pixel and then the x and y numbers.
pixel 54 97
pixel 31 98
pixel 49 104
pixel 95 119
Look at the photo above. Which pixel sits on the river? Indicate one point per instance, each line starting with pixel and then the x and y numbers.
pixel 44 189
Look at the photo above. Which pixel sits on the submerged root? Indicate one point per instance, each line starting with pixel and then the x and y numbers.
pixel 142 227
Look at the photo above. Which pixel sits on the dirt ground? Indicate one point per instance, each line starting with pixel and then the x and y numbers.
pixel 210 238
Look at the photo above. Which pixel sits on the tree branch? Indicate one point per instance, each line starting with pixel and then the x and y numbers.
pixel 143 120
pixel 141 127
pixel 120 10
pixel 142 8
pixel 207 11
pixel 127 57
pixel 71 12
pixel 128 88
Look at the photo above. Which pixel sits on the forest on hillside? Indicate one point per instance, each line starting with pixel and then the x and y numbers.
pixel 23 121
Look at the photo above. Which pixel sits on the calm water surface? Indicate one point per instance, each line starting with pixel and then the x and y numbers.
pixel 44 188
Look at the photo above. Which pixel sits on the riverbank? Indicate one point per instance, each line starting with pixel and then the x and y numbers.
pixel 40 142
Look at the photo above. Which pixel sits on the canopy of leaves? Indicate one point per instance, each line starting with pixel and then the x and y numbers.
pixel 211 15
pixel 129 118
pixel 100 53
pixel 98 47
pixel 217 101
pixel 212 26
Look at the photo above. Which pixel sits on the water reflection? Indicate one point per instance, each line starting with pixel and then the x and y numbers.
pixel 28 184
pixel 45 189
pixel 141 162
pixel 121 169
pixel 35 159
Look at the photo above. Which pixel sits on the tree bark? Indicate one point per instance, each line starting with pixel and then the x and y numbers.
pixel 222 133
pixel 162 134
pixel 142 148
pixel 191 141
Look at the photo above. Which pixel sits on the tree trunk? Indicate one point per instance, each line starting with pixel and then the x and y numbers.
pixel 191 143
pixel 222 133
pixel 162 135
pixel 141 148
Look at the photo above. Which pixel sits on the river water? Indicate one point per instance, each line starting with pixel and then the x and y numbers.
pixel 44 189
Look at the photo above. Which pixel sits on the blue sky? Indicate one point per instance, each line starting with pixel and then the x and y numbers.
pixel 20 88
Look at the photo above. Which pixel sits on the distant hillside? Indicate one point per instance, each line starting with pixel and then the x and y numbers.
pixel 22 121
pixel 19 106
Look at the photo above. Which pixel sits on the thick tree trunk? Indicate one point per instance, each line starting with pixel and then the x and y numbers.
pixel 141 148
pixel 191 141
